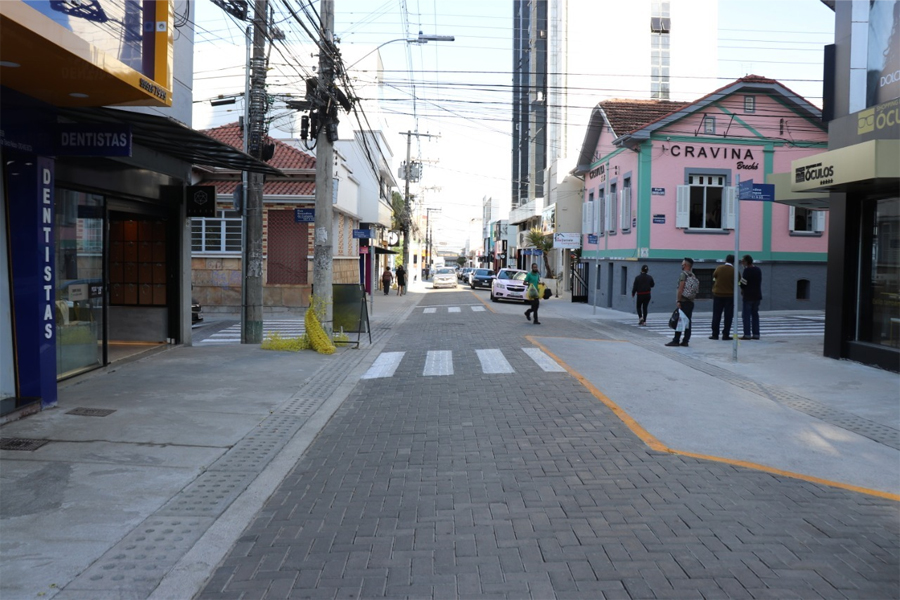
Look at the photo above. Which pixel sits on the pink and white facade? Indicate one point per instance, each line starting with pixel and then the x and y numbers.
pixel 659 183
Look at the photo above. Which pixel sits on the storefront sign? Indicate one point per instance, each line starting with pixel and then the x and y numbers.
pixel 715 152
pixel 659 219
pixel 363 249
pixel 875 159
pixel 599 171
pixel 46 245
pixel 882 58
pixel 94 139
pixel 304 215
pixel 567 241
pixel 658 191
pixel 200 200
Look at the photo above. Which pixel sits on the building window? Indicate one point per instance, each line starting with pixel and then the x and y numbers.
pixel 806 220
pixel 709 125
pixel 803 289
pixel 217 235
pixel 749 104
pixel 660 26
pixel 623 284
pixel 706 201
pixel 879 277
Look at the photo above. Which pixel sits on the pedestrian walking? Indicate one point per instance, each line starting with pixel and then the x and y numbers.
pixel 640 290
pixel 386 279
pixel 688 286
pixel 533 278
pixel 751 291
pixel 401 281
pixel 723 298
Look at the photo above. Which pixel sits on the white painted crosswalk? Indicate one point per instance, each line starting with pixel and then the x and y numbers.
pixel 430 310
pixel 286 328
pixel 439 363
pixel 769 326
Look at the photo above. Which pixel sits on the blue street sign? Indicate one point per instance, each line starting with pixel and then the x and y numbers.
pixel 593 238
pixel 304 215
pixel 760 192
pixel 361 234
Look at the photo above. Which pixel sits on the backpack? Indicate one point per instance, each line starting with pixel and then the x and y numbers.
pixel 691 287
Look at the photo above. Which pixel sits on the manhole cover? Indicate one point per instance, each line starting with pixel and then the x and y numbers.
pixel 22 444
pixel 90 412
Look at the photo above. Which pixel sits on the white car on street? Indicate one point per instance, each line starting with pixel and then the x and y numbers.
pixel 444 277
pixel 509 285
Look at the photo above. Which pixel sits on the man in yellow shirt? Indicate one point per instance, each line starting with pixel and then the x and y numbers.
pixel 723 298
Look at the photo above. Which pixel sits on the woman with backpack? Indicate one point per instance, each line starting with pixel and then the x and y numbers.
pixel 688 286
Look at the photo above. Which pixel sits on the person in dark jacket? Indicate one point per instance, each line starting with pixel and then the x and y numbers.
pixel 641 290
pixel 751 291
pixel 723 298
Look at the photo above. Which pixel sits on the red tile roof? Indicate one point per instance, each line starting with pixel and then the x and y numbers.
pixel 270 188
pixel 626 116
pixel 286 157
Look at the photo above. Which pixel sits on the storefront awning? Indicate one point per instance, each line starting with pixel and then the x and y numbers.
pixel 383 250
pixel 871 164
pixel 783 195
pixel 168 136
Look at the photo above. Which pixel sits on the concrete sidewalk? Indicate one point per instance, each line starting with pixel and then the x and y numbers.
pixel 201 436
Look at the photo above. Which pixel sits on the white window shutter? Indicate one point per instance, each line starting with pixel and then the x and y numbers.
pixel 819 220
pixel 792 218
pixel 587 218
pixel 683 206
pixel 614 210
pixel 601 215
pixel 729 197
pixel 608 214
pixel 626 209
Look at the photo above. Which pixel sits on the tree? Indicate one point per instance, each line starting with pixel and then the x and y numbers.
pixel 544 243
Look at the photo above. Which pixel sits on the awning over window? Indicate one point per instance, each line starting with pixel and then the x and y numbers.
pixel 168 136
pixel 383 250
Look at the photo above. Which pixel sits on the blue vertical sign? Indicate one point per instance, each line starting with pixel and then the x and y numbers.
pixel 33 243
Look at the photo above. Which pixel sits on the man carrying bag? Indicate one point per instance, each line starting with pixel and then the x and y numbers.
pixel 532 282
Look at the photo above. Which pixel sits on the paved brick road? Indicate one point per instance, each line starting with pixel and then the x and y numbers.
pixel 518 485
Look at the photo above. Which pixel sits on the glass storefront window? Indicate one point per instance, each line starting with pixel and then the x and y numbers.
pixel 79 281
pixel 879 312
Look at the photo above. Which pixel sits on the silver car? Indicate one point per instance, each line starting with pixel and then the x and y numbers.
pixel 444 277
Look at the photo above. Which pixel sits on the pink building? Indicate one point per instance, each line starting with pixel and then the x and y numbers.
pixel 658 186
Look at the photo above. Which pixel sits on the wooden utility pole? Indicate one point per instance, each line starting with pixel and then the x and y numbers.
pixel 323 257
pixel 408 173
pixel 252 265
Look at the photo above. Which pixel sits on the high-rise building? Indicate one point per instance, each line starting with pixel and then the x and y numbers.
pixel 570 54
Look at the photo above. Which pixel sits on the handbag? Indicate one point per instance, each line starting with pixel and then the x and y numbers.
pixel 673 320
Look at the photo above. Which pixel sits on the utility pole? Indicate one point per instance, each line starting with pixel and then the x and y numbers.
pixel 407 175
pixel 252 265
pixel 323 257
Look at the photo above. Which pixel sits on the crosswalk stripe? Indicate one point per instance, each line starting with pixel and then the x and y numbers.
pixel 430 311
pixel 453 309
pixel 543 360
pixel 477 309
pixel 384 366
pixel 776 326
pixel 438 362
pixel 232 334
pixel 493 361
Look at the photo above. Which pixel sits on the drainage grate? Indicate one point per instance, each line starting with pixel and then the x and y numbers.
pixel 22 444
pixel 90 412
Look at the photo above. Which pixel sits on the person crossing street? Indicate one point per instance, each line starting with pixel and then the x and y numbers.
pixel 533 278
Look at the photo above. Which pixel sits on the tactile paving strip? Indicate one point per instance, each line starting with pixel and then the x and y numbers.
pixel 300 407
pixel 209 495
pixel 135 566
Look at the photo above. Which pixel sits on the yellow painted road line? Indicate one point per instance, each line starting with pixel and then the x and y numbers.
pixel 480 299
pixel 651 441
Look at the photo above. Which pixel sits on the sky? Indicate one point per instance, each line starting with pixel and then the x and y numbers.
pixel 462 89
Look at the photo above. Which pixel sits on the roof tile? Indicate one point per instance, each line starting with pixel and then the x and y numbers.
pixel 285 157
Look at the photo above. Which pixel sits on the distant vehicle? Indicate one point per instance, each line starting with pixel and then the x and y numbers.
pixel 444 277
pixel 509 285
pixel 463 274
pixel 481 278
pixel 437 263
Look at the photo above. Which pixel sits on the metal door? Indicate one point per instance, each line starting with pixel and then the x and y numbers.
pixel 580 280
